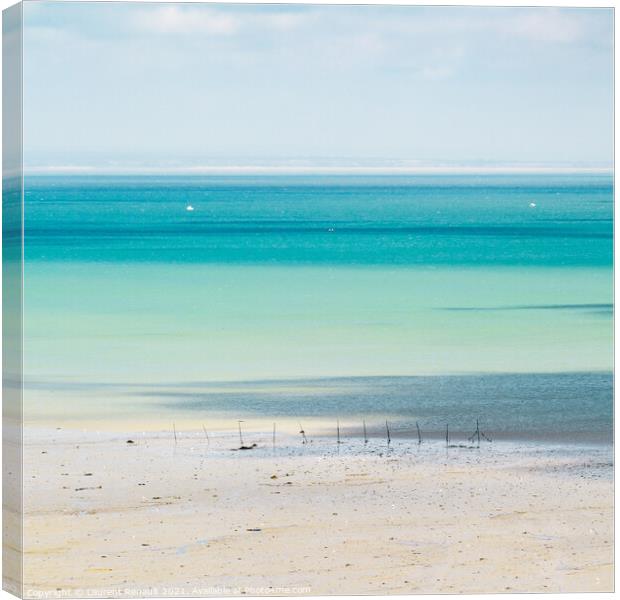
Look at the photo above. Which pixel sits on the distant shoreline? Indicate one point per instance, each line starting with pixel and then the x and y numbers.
pixel 318 170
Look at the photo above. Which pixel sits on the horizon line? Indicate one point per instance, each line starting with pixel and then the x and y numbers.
pixel 508 169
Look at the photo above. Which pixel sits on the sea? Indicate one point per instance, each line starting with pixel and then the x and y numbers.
pixel 415 299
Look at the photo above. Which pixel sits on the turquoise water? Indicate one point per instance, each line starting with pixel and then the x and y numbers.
pixel 281 278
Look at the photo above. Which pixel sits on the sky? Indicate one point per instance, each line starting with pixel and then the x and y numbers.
pixel 134 86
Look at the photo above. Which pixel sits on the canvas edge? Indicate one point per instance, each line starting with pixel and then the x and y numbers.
pixel 12 300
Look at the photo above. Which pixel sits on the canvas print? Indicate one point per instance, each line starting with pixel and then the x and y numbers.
pixel 307 299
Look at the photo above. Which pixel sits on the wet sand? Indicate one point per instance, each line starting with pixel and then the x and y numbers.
pixel 107 518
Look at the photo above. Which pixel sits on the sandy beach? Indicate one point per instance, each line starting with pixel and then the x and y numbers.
pixel 104 517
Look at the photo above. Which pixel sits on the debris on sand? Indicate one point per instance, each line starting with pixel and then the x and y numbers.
pixel 243 447
pixel 130 442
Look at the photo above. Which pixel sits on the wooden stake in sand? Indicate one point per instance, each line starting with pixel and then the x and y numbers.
pixel 303 434
pixel 478 434
pixel 365 436
pixel 240 435
pixel 387 430
pixel 338 431
pixel 417 426
pixel 447 436
pixel 174 431
pixel 206 435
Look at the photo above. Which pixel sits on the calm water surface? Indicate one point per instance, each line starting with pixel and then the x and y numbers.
pixel 502 281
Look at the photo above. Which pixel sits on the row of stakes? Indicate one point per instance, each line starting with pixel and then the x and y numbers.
pixel 475 437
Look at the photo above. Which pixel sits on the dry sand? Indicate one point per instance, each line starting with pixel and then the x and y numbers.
pixel 107 518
